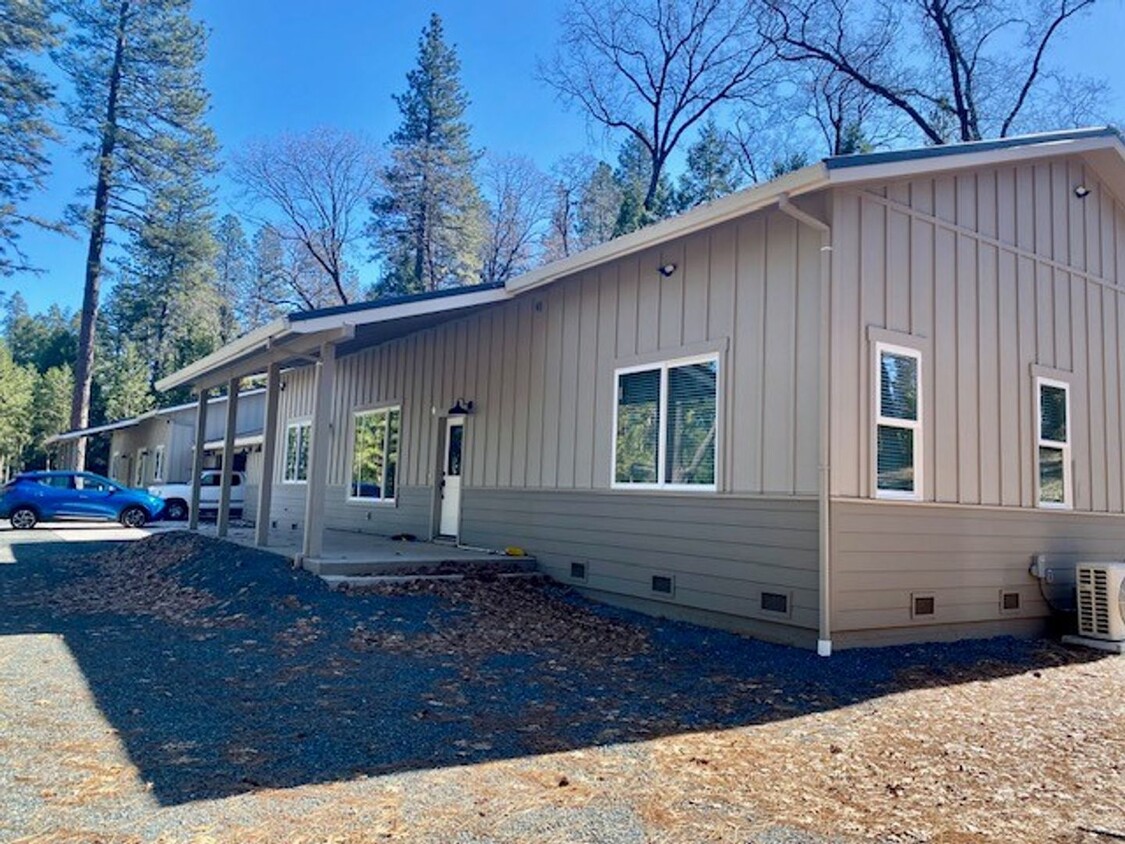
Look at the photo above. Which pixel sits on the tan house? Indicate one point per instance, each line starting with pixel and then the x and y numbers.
pixel 156 447
pixel 853 405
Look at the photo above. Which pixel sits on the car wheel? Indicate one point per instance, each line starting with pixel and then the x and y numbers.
pixel 175 510
pixel 23 518
pixel 134 517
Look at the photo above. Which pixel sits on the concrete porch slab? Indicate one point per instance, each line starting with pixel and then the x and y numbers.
pixel 347 553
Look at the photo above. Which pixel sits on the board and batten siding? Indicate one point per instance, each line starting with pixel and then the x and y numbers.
pixel 996 270
pixel 992 272
pixel 540 369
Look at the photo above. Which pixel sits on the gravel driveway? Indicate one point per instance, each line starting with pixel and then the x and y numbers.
pixel 179 688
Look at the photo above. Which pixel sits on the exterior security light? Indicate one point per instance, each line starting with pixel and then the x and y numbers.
pixel 1082 191
pixel 666 269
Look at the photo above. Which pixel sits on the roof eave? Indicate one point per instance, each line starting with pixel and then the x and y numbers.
pixel 743 202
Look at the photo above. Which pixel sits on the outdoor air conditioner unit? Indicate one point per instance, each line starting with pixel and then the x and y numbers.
pixel 1101 601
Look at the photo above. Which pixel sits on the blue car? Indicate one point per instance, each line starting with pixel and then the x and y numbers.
pixel 33 497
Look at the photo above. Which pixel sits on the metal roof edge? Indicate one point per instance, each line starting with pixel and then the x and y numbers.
pixel 840 162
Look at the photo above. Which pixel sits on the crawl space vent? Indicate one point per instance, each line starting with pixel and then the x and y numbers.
pixel 662 584
pixel 775 602
pixel 922 605
pixel 1009 601
pixel 577 571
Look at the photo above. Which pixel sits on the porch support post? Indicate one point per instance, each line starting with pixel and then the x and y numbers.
pixel 269 452
pixel 197 456
pixel 228 457
pixel 321 429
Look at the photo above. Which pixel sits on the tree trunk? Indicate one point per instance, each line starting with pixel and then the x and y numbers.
pixel 84 365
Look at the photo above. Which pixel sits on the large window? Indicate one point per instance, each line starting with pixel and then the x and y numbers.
pixel 297 435
pixel 898 429
pixel 667 415
pixel 375 454
pixel 1053 457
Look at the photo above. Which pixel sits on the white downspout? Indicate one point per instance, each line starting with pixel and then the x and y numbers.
pixel 824 633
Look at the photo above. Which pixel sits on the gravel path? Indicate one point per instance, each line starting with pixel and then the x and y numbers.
pixel 180 689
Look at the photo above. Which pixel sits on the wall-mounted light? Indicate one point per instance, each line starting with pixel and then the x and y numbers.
pixel 460 408
pixel 666 269
pixel 1081 191
pixel 281 386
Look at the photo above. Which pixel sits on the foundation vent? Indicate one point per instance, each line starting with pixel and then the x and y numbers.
pixel 578 571
pixel 775 602
pixel 1009 601
pixel 663 584
pixel 921 605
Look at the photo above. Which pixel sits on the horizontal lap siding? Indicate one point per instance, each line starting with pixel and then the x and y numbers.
pixel 997 270
pixel 723 553
pixel 964 556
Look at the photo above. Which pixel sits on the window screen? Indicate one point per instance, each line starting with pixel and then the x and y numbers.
pixel 691 424
pixel 898 429
pixel 375 454
pixel 638 427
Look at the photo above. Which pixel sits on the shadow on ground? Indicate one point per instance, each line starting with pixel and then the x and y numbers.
pixel 225 671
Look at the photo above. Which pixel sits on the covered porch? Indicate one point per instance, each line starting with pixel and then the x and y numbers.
pixel 314 342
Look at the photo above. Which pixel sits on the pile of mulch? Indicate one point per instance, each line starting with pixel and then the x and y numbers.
pixel 484 618
pixel 144 578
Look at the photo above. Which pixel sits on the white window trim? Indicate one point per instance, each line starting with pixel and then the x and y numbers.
pixel 364 499
pixel 662 431
pixel 158 464
pixel 914 425
pixel 294 423
pixel 1068 476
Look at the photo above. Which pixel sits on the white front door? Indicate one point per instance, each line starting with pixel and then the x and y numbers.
pixel 451 476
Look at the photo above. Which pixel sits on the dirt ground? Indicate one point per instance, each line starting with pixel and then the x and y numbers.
pixel 177 689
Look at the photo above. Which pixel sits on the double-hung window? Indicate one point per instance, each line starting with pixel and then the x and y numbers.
pixel 898 427
pixel 1053 457
pixel 375 454
pixel 666 425
pixel 297 437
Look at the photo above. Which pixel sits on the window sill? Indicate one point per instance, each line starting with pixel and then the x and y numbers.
pixel 371 502
pixel 1046 505
pixel 702 488
pixel 893 495
pixel 294 483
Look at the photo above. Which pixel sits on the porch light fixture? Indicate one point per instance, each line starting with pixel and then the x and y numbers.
pixel 666 269
pixel 460 408
pixel 1081 191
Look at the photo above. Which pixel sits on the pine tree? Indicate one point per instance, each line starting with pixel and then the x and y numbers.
pixel 25 96
pixel 17 384
pixel 428 224
pixel 232 277
pixel 125 383
pixel 712 169
pixel 139 102
pixel 599 205
pixel 634 176
pixel 50 401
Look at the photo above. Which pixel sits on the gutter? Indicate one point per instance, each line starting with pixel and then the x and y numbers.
pixel 824 475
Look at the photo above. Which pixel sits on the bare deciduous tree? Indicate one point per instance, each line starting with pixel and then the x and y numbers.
pixel 654 68
pixel 955 69
pixel 517 198
pixel 317 186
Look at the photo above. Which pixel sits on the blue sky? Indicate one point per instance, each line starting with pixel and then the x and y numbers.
pixel 289 65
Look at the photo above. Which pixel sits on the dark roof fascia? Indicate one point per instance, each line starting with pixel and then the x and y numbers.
pixel 355 307
pixel 840 162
